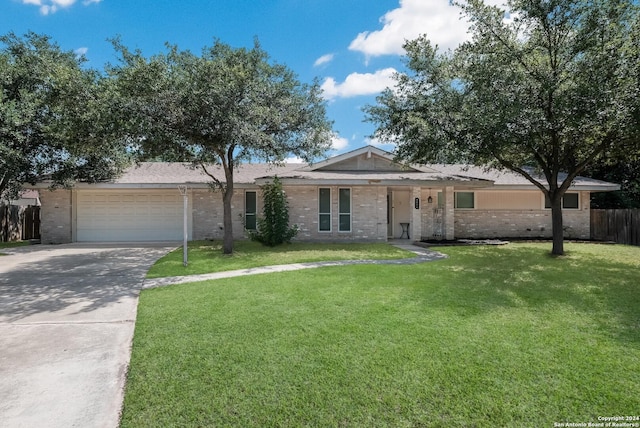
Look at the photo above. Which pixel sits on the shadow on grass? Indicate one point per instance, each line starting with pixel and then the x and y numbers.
pixel 596 284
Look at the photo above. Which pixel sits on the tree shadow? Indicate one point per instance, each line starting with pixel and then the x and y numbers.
pixel 69 283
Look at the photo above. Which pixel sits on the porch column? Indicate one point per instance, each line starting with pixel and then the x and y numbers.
pixel 416 213
pixel 449 227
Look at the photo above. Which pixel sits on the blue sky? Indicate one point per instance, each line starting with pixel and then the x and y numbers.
pixel 352 46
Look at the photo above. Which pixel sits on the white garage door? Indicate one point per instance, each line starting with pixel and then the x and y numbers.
pixel 129 216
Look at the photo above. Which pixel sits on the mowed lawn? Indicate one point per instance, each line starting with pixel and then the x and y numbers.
pixel 490 337
pixel 207 257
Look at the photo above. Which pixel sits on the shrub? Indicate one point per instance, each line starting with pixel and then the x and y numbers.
pixel 273 226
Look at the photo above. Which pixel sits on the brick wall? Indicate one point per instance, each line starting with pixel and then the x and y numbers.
pixel 208 214
pixel 368 216
pixel 518 224
pixel 368 213
pixel 55 226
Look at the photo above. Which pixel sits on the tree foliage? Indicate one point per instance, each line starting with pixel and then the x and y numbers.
pixel 273 226
pixel 53 119
pixel 544 93
pixel 224 107
pixel 627 174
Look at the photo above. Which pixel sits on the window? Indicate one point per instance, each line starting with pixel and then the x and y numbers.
pixel 570 201
pixel 250 208
pixel 464 200
pixel 324 210
pixel 344 210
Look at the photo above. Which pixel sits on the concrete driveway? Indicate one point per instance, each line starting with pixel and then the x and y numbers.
pixel 67 315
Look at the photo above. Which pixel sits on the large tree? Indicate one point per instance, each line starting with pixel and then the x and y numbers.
pixel 53 119
pixel 223 107
pixel 543 90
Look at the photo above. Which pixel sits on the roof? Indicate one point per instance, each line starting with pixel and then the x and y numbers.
pixel 27 197
pixel 367 165
pixel 515 181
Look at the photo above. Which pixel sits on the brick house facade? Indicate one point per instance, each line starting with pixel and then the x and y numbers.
pixel 363 196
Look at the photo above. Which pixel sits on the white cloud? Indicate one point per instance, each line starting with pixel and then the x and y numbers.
pixel 378 143
pixel 81 51
pixel 359 84
pixel 438 19
pixel 324 59
pixel 48 7
pixel 294 159
pixel 338 142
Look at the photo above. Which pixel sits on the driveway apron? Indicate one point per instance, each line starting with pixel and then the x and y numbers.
pixel 67 316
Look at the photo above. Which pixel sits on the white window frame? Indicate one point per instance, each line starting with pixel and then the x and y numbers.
pixel 320 213
pixel 341 213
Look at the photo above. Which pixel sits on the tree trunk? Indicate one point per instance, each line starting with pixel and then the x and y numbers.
pixel 557 229
pixel 227 240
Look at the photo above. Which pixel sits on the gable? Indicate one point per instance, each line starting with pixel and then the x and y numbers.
pixel 365 159
pixel 365 162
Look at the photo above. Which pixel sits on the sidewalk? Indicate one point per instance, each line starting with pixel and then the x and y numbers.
pixel 422 255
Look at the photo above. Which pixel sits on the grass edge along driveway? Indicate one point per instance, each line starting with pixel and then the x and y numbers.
pixel 492 336
pixel 13 244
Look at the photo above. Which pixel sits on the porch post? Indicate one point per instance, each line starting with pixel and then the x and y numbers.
pixel 449 227
pixel 416 213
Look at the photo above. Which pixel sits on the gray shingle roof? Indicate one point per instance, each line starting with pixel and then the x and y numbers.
pixel 509 178
pixel 166 173
pixel 180 173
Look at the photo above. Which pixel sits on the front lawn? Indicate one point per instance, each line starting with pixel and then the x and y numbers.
pixel 207 257
pixel 491 337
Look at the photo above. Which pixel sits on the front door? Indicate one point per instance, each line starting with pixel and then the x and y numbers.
pixel 398 212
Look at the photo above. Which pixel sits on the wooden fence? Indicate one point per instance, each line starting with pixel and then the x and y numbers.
pixel 19 223
pixel 621 226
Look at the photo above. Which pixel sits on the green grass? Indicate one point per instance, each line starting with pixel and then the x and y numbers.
pixel 207 257
pixel 491 337
pixel 12 244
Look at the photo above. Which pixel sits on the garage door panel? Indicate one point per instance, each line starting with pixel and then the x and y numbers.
pixel 128 216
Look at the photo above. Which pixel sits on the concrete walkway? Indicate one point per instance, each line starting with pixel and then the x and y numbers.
pixel 422 255
pixel 67 315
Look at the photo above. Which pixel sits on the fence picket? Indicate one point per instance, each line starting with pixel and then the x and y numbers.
pixel 19 222
pixel 621 226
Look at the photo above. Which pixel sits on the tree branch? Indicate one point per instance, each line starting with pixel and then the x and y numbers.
pixel 216 181
pixel 522 172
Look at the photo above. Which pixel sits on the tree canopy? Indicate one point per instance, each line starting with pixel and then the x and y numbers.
pixel 224 107
pixel 624 172
pixel 53 119
pixel 548 84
